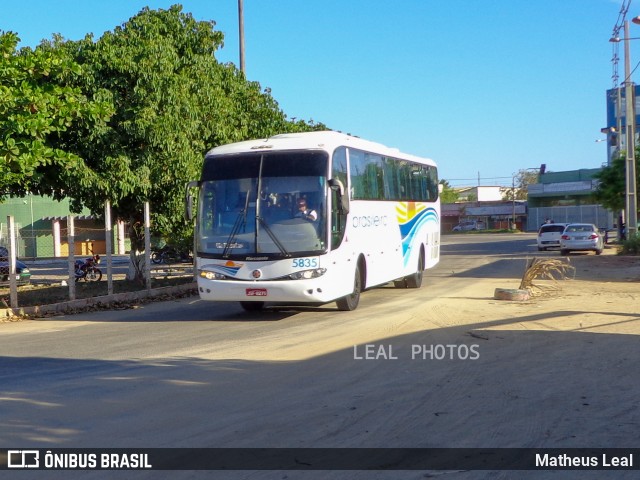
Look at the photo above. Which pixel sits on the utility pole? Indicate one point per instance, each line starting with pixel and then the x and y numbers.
pixel 513 201
pixel 631 204
pixel 241 34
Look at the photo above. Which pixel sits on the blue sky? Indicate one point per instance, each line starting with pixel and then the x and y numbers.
pixel 484 87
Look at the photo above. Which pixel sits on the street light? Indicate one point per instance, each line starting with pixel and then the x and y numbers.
pixel 631 204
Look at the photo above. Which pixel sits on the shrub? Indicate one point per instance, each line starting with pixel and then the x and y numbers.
pixel 631 246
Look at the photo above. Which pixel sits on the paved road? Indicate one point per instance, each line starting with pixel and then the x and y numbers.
pixel 190 374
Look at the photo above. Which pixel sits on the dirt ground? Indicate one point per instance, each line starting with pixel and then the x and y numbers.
pixel 557 371
pixel 601 296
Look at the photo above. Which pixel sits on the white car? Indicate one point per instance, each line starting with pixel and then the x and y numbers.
pixel 549 235
pixel 469 225
pixel 581 236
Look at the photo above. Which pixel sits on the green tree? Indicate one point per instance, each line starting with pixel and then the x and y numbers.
pixel 448 195
pixel 521 181
pixel 610 191
pixel 33 110
pixel 172 101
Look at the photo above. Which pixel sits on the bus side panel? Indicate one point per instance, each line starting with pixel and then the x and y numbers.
pixel 389 236
pixel 432 248
pixel 419 225
pixel 341 267
pixel 372 231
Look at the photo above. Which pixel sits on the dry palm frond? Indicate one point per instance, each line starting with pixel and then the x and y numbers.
pixel 553 269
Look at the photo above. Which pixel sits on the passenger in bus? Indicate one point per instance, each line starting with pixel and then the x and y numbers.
pixel 305 212
pixel 276 208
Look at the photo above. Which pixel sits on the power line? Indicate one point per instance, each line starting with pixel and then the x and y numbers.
pixel 616 34
pixel 473 182
pixel 473 179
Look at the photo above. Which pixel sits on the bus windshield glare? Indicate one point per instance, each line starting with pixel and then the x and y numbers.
pixel 263 204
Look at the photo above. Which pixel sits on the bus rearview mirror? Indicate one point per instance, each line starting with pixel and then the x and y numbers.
pixel 188 200
pixel 337 186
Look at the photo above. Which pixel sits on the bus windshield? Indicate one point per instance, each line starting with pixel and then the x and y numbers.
pixel 264 204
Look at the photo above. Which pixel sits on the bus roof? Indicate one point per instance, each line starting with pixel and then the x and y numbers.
pixel 323 140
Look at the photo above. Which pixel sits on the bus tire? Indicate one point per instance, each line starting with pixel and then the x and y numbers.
pixel 252 306
pixel 415 280
pixel 350 302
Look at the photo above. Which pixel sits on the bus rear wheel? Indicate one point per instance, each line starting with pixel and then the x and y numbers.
pixel 252 306
pixel 350 302
pixel 415 280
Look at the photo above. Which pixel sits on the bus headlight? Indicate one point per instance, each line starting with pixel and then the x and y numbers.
pixel 209 275
pixel 306 274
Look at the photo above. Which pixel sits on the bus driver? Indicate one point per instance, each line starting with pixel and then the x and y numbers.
pixel 305 212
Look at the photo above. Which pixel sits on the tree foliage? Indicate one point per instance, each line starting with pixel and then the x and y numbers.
pixel 611 188
pixel 172 101
pixel 168 100
pixel 448 195
pixel 521 182
pixel 33 110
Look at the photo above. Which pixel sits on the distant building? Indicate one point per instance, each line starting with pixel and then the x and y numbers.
pixel 561 197
pixel 483 204
pixel 565 197
pixel 479 194
pixel 617 120
pixel 41 225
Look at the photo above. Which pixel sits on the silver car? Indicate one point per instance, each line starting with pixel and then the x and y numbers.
pixel 469 225
pixel 581 236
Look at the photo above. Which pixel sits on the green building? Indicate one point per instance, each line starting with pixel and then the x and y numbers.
pixel 41 225
pixel 565 197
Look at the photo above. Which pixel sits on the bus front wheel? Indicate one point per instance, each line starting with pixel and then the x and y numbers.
pixel 350 302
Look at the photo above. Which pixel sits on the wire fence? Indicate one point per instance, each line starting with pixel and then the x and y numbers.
pixel 595 214
pixel 78 259
pixel 41 244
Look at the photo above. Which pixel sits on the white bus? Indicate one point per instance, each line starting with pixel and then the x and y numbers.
pixel 372 216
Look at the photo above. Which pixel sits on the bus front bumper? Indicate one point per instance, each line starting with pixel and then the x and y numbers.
pixel 266 291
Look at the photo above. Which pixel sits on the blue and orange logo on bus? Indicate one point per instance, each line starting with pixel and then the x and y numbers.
pixel 411 217
pixel 229 268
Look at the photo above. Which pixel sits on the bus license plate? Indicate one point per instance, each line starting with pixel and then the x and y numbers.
pixel 256 292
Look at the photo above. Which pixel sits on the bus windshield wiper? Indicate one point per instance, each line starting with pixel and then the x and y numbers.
pixel 260 220
pixel 273 237
pixel 241 220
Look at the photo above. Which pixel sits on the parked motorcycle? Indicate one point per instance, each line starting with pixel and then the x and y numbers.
pixel 169 254
pixel 88 270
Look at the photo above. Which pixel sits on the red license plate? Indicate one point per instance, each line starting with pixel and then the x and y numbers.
pixel 256 292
